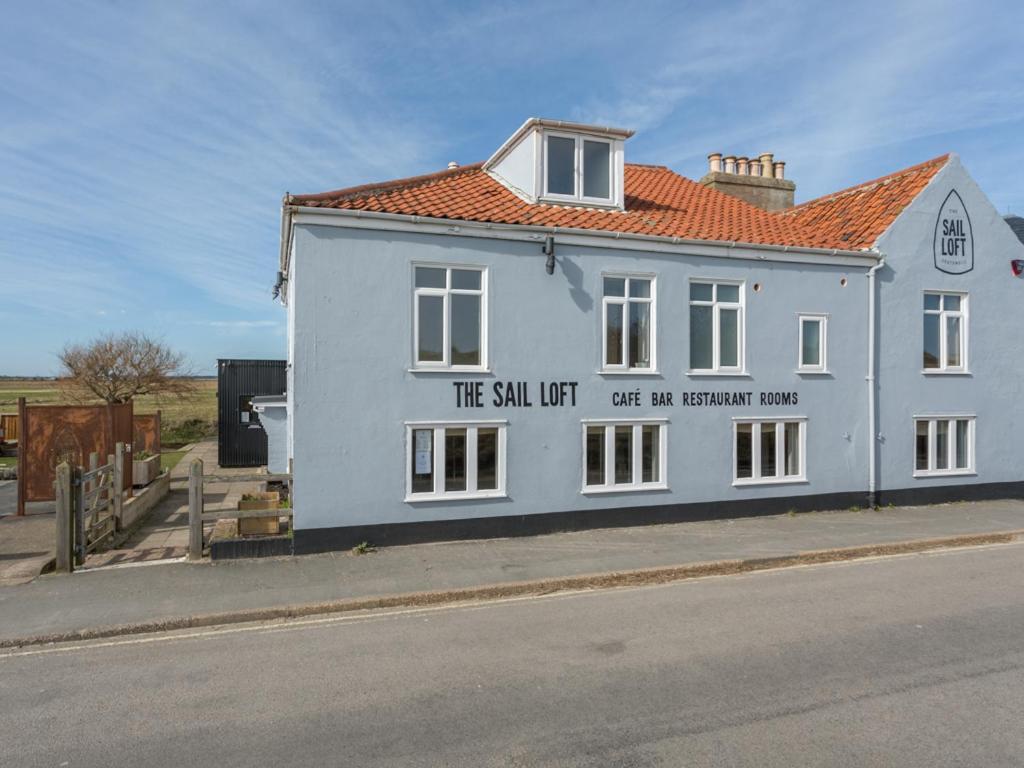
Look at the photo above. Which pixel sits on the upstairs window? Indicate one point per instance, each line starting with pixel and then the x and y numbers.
pixel 813 344
pixel 578 168
pixel 449 318
pixel 945 332
pixel 716 327
pixel 628 319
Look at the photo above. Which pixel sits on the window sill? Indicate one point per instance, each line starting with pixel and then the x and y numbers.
pixel 597 490
pixel 450 370
pixel 803 372
pixel 770 481
pixel 628 372
pixel 720 374
pixel 419 497
pixel 922 475
pixel 936 372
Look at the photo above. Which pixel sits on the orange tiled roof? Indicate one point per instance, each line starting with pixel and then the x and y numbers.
pixel 856 217
pixel 658 202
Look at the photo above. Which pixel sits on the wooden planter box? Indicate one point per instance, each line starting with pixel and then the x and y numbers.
pixel 146 471
pixel 260 526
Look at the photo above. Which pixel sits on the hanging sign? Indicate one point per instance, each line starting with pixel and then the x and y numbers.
pixel 954 239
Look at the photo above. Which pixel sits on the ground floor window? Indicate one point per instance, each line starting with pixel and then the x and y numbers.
pixel 943 445
pixel 623 455
pixel 455 460
pixel 769 450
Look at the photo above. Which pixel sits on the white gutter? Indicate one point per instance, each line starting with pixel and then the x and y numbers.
pixel 582 237
pixel 872 434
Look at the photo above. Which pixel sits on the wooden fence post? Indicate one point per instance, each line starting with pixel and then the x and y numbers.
pixel 22 456
pixel 118 461
pixel 195 510
pixel 65 527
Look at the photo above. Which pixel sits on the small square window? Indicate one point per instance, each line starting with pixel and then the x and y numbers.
pixel 812 344
pixel 579 168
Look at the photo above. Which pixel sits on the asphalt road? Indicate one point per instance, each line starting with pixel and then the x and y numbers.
pixel 909 661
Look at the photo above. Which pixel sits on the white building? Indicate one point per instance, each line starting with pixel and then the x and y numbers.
pixel 557 339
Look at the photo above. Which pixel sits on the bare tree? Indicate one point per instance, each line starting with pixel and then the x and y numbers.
pixel 116 368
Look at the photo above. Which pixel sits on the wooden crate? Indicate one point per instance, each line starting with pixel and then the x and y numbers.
pixel 259 526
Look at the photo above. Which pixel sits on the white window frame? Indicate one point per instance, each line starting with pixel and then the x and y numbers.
pixel 578 170
pixel 717 368
pixel 963 314
pixel 471 427
pixel 952 471
pixel 780 450
pixel 822 319
pixel 607 367
pixel 637 459
pixel 445 363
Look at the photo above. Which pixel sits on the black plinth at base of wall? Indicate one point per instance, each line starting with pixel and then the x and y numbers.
pixel 312 540
pixel 264 546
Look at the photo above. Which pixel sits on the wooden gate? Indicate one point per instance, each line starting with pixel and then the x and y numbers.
pixel 88 507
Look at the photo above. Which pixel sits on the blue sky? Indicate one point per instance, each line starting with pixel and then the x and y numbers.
pixel 144 148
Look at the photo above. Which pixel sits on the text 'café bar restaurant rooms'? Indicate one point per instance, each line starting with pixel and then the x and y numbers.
pixel 557 338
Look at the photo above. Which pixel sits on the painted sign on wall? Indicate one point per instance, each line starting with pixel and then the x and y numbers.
pixel 954 240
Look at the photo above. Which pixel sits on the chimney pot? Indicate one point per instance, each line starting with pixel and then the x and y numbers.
pixel 715 162
pixel 780 170
pixel 741 165
pixel 730 164
pixel 755 167
pixel 766 163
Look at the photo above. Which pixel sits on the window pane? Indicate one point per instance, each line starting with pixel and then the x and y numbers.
pixel 792 448
pixel 702 292
pixel 953 342
pixel 768 468
pixel 639 335
pixel 729 293
pixel 465 330
pixel 561 165
pixel 951 303
pixel 466 279
pixel 430 346
pixel 700 338
pixel 615 286
pixel 931 341
pixel 639 289
pixel 623 455
pixel 729 338
pixel 486 459
pixel 613 340
pixel 931 301
pixel 942 444
pixel 650 448
pixel 422 460
pixel 810 352
pixel 744 450
pixel 455 459
pixel 962 445
pixel 596 167
pixel 922 446
pixel 595 455
pixel 430 277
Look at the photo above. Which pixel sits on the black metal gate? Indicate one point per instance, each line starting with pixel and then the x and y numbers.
pixel 241 441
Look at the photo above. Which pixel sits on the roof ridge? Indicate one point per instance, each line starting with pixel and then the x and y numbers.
pixel 868 184
pixel 384 186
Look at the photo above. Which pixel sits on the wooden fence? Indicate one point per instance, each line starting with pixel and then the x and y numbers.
pixel 197 514
pixel 8 428
pixel 89 506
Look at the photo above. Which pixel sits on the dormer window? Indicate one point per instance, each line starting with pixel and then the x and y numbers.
pixel 577 168
pixel 552 161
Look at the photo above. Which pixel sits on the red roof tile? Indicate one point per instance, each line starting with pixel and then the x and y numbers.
pixel 658 202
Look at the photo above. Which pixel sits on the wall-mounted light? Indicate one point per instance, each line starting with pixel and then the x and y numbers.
pixel 549 250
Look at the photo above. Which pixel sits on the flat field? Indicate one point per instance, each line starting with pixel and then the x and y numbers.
pixel 184 419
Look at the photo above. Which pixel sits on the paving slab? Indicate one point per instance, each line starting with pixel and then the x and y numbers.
pixel 140 593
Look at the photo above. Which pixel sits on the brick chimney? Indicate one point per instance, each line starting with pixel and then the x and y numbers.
pixel 740 177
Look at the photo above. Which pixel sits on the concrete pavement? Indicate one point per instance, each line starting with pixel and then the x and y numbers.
pixel 106 597
pixel 912 661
